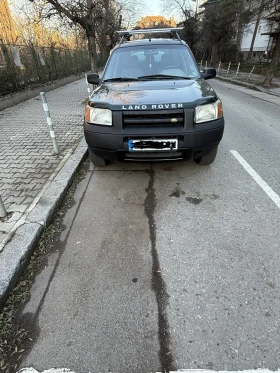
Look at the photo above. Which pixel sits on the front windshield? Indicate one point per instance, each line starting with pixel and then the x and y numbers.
pixel 149 62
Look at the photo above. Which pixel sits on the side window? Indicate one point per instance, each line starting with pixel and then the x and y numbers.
pixel 112 67
pixel 118 65
pixel 191 70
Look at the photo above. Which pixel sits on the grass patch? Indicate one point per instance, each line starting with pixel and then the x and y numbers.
pixel 14 338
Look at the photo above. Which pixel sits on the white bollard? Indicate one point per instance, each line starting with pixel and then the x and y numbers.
pixel 49 121
pixel 228 68
pixel 88 86
pixel 249 76
pixel 3 211
pixel 219 68
pixel 237 71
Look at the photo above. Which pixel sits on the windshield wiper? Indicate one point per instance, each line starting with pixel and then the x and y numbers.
pixel 147 77
pixel 163 76
pixel 120 79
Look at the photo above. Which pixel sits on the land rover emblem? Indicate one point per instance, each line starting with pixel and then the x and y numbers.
pixel 173 120
pixel 152 107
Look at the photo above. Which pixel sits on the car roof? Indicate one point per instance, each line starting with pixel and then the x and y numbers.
pixel 144 42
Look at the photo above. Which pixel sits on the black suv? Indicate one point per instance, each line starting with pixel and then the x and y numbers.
pixel 153 104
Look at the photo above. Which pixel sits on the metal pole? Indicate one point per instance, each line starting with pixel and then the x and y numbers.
pixel 237 71
pixel 249 76
pixel 49 121
pixel 3 211
pixel 88 86
pixel 206 64
pixel 228 68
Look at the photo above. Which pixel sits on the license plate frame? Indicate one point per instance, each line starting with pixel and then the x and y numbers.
pixel 152 145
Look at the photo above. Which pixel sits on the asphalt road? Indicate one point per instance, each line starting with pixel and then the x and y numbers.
pixel 170 266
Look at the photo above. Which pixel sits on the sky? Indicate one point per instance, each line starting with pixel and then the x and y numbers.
pixel 154 7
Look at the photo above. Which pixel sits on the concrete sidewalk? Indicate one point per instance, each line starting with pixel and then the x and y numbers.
pixel 29 169
pixel 254 81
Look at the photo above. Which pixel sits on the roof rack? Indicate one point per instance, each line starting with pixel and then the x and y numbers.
pixel 126 34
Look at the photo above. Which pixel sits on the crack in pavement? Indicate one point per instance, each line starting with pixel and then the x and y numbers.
pixel 158 283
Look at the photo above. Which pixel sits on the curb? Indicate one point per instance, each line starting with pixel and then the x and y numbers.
pixel 16 254
pixel 20 97
pixel 65 370
pixel 242 84
pixel 247 85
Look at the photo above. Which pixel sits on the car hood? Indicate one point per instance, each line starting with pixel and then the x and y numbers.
pixel 149 95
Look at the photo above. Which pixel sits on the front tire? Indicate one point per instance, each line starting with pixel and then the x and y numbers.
pixel 208 158
pixel 96 160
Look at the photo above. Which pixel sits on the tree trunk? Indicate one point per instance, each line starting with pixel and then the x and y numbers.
pixel 255 32
pixel 91 36
pixel 92 52
pixel 238 40
pixel 214 54
pixel 240 26
pixel 274 62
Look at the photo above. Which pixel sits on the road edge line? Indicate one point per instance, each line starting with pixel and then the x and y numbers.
pixel 257 178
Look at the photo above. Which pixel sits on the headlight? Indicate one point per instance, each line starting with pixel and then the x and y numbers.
pixel 207 112
pixel 98 116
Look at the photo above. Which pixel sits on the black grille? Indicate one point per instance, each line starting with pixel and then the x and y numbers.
pixel 160 118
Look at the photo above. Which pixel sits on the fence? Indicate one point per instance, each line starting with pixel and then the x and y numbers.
pixel 25 67
pixel 259 68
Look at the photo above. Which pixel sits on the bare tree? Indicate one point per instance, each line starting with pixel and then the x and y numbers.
pixel 244 15
pixel 218 29
pixel 8 32
pixel 192 32
pixel 258 12
pixel 98 18
pixel 177 7
pixel 190 20
pixel 272 9
pixel 223 21
pixel 207 27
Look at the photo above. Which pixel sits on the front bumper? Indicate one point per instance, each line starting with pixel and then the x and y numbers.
pixel 112 144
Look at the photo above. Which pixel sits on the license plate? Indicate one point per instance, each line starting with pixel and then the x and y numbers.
pixel 152 145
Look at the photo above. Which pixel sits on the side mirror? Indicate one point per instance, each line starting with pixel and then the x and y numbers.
pixel 93 78
pixel 207 72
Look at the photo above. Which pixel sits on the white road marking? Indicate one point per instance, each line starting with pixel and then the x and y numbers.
pixel 265 187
